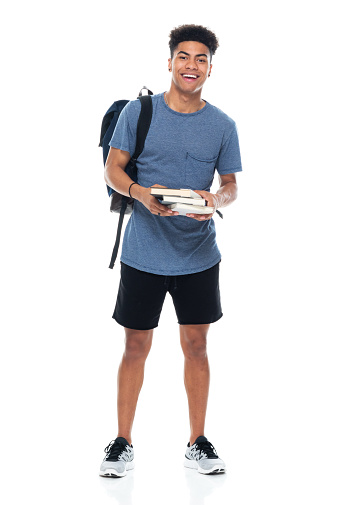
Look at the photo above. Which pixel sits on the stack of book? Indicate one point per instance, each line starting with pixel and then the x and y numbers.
pixel 184 201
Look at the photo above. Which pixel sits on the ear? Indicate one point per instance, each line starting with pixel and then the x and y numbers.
pixel 210 70
pixel 169 64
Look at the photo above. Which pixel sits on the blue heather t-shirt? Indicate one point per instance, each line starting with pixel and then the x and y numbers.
pixel 181 151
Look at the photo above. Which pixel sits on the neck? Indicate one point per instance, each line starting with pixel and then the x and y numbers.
pixel 184 102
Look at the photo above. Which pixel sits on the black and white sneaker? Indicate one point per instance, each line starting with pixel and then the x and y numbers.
pixel 203 457
pixel 118 459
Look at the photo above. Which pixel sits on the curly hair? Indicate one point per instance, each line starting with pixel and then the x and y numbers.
pixel 196 33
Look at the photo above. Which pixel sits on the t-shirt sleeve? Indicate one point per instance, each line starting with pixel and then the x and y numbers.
pixel 229 160
pixel 124 136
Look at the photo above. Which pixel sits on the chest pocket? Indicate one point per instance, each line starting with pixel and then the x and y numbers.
pixel 199 172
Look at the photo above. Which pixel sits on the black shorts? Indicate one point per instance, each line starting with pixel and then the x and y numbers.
pixel 140 298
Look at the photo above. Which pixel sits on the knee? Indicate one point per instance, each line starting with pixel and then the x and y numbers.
pixel 195 351
pixel 137 345
pixel 194 346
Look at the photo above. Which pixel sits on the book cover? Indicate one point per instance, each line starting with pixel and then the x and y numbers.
pixel 187 193
pixel 179 199
pixel 184 209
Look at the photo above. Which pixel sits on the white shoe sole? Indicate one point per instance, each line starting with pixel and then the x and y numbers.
pixel 111 472
pixel 191 463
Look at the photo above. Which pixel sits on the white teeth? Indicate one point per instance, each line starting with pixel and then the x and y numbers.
pixel 188 75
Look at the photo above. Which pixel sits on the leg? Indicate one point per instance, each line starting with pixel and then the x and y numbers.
pixel 196 375
pixel 130 378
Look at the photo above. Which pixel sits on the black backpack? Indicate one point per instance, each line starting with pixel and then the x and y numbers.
pixel 120 203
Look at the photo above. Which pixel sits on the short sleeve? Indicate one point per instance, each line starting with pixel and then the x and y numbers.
pixel 229 160
pixel 124 136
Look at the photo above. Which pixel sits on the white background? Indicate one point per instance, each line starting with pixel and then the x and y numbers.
pixel 274 405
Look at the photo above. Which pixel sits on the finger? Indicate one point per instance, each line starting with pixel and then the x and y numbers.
pixel 194 216
pixel 162 210
pixel 201 193
pixel 164 214
pixel 200 217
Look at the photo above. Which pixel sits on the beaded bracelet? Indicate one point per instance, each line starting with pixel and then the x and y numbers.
pixel 130 187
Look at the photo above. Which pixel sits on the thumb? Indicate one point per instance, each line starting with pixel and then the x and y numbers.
pixel 201 193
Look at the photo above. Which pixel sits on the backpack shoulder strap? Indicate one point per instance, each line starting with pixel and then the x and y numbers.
pixel 143 124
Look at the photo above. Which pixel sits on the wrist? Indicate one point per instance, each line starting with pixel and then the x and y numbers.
pixel 217 201
pixel 222 199
pixel 136 191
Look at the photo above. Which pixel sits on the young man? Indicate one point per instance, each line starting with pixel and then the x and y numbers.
pixel 165 252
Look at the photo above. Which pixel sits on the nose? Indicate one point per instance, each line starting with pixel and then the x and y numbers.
pixel 191 64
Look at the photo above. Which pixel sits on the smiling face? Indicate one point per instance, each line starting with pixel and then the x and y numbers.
pixel 190 66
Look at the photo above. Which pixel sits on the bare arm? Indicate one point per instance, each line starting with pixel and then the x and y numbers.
pixel 225 195
pixel 114 174
pixel 117 179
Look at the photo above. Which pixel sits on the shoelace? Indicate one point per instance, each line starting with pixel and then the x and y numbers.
pixel 114 450
pixel 206 449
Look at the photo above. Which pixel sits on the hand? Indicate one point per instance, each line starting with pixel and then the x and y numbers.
pixel 211 200
pixel 153 204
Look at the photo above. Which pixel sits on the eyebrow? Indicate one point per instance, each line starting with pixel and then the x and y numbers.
pixel 187 54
